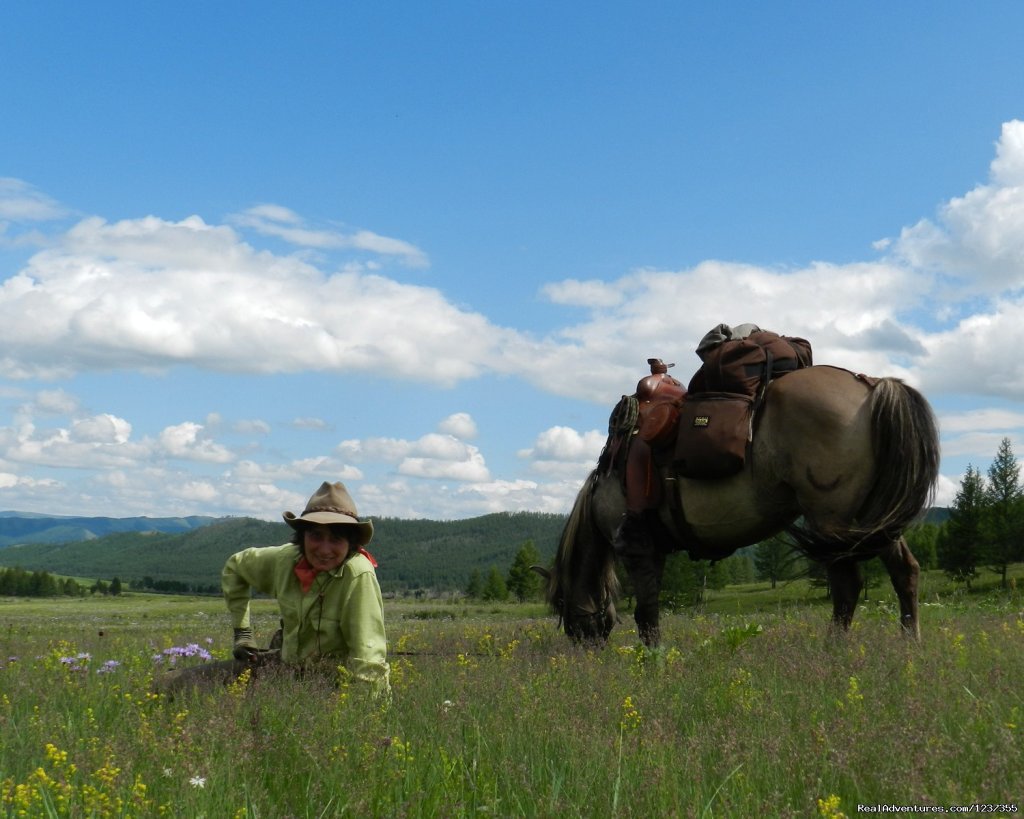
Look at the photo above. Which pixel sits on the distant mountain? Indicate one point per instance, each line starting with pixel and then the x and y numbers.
pixel 27 527
pixel 412 554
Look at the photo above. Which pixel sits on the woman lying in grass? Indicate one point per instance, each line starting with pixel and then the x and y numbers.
pixel 326 589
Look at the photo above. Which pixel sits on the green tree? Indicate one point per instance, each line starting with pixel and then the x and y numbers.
pixel 922 538
pixel 684 581
pixel 475 586
pixel 1003 523
pixel 958 545
pixel 43 584
pixel 522 582
pixel 494 588
pixel 775 559
pixel 873 572
pixel 738 569
pixel 115 586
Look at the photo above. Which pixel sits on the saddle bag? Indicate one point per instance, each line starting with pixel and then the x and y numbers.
pixel 715 429
pixel 741 365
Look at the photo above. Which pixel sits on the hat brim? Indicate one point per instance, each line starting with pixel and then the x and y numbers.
pixel 363 527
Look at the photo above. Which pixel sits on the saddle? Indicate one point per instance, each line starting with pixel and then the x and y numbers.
pixel 647 418
pixel 702 431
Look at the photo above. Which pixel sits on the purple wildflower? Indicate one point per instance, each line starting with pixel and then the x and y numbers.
pixel 108 667
pixel 76 663
pixel 190 650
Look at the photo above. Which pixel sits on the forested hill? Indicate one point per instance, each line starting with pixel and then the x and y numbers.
pixel 412 554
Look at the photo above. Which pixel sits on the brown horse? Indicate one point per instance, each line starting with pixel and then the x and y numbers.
pixel 853 460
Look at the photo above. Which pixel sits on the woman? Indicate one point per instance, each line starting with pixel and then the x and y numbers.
pixel 326 589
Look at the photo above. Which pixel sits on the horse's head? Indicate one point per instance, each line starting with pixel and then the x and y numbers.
pixel 587 617
pixel 582 585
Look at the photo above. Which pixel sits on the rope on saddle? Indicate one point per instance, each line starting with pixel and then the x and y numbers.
pixel 624 417
pixel 621 424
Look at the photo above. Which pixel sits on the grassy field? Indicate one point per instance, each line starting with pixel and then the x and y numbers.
pixel 747 710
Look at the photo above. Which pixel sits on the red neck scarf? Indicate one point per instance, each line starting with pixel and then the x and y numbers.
pixel 306 574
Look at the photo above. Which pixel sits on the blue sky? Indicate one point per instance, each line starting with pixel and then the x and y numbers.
pixel 424 248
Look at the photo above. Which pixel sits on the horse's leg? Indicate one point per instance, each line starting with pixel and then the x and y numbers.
pixel 645 569
pixel 845 583
pixel 904 571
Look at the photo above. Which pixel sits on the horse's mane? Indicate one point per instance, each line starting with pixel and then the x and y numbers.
pixel 579 531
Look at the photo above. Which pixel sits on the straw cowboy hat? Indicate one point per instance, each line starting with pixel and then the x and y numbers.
pixel 331 504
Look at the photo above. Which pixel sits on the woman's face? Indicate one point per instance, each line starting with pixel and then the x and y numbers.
pixel 325 549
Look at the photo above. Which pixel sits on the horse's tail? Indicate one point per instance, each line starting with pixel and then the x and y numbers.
pixel 578 526
pixel 905 446
pixel 905 443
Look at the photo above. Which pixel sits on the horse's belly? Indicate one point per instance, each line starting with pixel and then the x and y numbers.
pixel 732 513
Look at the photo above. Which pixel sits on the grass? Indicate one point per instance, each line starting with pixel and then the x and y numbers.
pixel 495 714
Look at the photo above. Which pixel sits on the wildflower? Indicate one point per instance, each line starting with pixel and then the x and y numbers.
pixel 630 715
pixel 108 667
pixel 742 689
pixel 853 695
pixel 399 751
pixel 507 652
pixel 174 652
pixel 55 755
pixel 829 807
pixel 76 663
pixel 238 686
pixel 197 782
pixel 168 773
pixel 446 706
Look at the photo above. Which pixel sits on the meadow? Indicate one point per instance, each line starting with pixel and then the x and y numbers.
pixel 748 709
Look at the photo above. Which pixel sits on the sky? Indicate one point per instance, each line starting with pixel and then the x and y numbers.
pixel 423 248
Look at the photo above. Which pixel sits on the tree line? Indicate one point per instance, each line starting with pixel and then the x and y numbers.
pixel 683 581
pixel 18 582
pixel 986 522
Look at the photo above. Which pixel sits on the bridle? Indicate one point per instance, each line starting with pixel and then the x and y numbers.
pixel 581 616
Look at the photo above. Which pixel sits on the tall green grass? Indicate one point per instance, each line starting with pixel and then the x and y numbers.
pixel 495 714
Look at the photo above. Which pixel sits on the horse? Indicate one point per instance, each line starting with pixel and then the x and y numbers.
pixel 840 461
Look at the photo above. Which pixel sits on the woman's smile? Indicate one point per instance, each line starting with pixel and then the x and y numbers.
pixel 325 549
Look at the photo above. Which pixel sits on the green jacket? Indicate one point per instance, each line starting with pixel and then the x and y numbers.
pixel 340 618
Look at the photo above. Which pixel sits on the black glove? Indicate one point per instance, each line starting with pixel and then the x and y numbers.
pixel 245 647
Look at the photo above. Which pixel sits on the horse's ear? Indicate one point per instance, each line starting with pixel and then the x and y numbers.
pixel 542 572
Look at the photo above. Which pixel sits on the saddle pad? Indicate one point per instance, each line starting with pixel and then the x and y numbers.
pixel 714 430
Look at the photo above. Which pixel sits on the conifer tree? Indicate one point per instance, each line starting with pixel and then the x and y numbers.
pixel 495 588
pixel 524 583
pixel 475 586
pixel 774 559
pixel 922 539
pixel 958 547
pixel 1003 523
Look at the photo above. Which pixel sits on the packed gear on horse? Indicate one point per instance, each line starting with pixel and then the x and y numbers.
pixel 703 431
pixel 717 420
